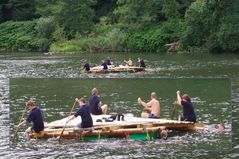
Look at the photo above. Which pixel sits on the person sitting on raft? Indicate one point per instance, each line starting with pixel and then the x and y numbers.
pixel 108 62
pixel 86 67
pixel 35 116
pixel 84 112
pixel 188 110
pixel 96 107
pixel 153 107
pixel 105 66
pixel 129 62
pixel 141 63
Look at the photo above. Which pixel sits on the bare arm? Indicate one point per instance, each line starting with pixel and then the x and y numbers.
pixel 146 105
pixel 22 123
pixel 100 104
pixel 179 99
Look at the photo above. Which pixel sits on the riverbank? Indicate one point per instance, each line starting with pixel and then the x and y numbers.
pixel 124 26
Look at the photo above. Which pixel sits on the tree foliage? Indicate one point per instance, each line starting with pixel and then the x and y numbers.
pixel 212 24
pixel 75 16
pixel 138 11
pixel 118 24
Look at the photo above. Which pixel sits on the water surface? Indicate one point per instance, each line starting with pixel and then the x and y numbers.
pixel 208 80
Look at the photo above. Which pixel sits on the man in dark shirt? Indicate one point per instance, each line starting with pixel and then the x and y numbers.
pixel 96 107
pixel 141 62
pixel 108 62
pixel 84 112
pixel 188 110
pixel 35 116
pixel 86 66
pixel 105 66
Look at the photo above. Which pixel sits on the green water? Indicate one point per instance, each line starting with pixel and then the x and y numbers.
pixel 56 96
pixel 54 82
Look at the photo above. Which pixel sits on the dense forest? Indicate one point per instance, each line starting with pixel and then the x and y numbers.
pixel 119 25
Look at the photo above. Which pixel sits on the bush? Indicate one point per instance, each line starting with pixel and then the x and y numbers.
pixel 45 27
pixel 112 38
pixel 153 38
pixel 21 35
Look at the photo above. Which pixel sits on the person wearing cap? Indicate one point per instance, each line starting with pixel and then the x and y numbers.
pixel 84 112
pixel 188 110
pixel 153 107
pixel 35 116
pixel 96 107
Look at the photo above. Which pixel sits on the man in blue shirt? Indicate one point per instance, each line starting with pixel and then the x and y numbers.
pixel 188 110
pixel 84 112
pixel 96 107
pixel 35 116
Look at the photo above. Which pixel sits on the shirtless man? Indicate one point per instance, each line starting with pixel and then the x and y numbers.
pixel 129 62
pixel 152 106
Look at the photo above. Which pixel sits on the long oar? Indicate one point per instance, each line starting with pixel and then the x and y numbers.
pixel 174 110
pixel 66 121
pixel 15 134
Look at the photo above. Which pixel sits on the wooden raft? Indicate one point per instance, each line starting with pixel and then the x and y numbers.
pixel 118 69
pixel 136 126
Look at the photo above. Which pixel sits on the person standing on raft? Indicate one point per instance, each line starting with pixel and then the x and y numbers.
pixel 153 107
pixel 188 110
pixel 35 116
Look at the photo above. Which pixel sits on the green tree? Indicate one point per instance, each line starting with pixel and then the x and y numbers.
pixel 75 16
pixel 4 11
pixel 45 7
pixel 138 11
pixel 170 9
pixel 198 19
pixel 17 10
pixel 104 9
pixel 22 9
pixel 212 24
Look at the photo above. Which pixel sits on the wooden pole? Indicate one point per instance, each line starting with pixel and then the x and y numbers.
pixel 15 134
pixel 66 121
pixel 174 110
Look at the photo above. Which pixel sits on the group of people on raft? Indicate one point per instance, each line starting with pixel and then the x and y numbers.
pixel 95 107
pixel 106 63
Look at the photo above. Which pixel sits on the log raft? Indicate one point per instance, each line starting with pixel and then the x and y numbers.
pixel 132 128
pixel 129 69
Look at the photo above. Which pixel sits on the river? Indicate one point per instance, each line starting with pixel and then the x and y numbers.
pixel 54 81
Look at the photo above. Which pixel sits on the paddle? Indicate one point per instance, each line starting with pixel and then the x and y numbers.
pixel 66 121
pixel 174 110
pixel 15 134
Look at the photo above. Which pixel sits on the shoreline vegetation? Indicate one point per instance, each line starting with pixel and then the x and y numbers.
pixel 94 26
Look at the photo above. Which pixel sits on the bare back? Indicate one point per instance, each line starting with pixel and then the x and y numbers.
pixel 155 107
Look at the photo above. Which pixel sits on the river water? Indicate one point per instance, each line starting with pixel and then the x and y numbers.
pixel 54 82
